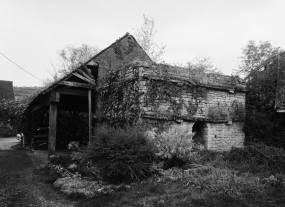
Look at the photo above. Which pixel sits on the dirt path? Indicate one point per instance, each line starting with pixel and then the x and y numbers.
pixel 13 165
pixel 22 182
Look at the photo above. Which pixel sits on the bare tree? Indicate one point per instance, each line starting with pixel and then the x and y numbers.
pixel 145 37
pixel 203 65
pixel 72 57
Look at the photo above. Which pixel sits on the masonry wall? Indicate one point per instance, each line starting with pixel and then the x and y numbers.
pixel 213 98
pixel 210 100
pixel 217 136
pixel 222 137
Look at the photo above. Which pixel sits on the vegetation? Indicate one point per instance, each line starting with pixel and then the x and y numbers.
pixel 262 123
pixel 23 91
pixel 241 177
pixel 254 54
pixel 175 148
pixel 13 113
pixel 72 57
pixel 145 37
pixel 119 155
pixel 6 131
pixel 202 65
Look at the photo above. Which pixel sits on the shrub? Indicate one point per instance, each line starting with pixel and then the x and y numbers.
pixel 119 155
pixel 63 160
pixel 175 147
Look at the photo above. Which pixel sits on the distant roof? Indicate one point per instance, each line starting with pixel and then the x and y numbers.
pixel 6 90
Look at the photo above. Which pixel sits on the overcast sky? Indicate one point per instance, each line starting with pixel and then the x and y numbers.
pixel 32 31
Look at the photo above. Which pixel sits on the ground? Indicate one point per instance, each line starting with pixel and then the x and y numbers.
pixel 22 179
pixel 24 182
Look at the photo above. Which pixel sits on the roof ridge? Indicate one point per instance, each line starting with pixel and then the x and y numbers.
pixel 98 54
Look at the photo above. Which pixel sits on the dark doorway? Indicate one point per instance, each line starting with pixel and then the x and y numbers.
pixel 200 128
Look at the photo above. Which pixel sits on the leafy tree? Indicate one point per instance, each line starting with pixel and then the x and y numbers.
pixel 70 58
pixel 262 122
pixel 145 37
pixel 254 54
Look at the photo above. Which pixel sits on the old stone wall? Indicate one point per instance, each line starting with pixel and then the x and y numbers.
pixel 216 136
pixel 170 100
pixel 194 103
pixel 222 136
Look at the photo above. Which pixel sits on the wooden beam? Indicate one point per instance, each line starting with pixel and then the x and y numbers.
pixel 85 75
pixel 85 79
pixel 76 84
pixel 90 114
pixel 71 92
pixel 52 129
pixel 88 71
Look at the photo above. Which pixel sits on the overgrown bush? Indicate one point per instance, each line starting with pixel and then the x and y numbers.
pixel 119 155
pixel 175 147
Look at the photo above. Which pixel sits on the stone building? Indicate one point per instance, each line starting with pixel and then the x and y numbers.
pixel 157 96
pixel 172 97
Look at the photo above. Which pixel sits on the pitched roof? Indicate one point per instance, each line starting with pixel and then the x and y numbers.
pixel 127 35
pixel 110 50
pixel 6 90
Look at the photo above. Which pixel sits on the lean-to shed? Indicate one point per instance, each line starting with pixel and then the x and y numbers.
pixel 77 90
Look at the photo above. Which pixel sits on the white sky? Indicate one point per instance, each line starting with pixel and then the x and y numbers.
pixel 32 31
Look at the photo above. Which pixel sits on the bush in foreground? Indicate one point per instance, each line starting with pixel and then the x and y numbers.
pixel 119 155
pixel 175 148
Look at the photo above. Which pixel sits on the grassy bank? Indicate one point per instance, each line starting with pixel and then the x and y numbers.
pixel 253 176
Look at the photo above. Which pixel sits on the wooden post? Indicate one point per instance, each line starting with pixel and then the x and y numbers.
pixel 96 109
pixel 54 99
pixel 90 113
pixel 33 126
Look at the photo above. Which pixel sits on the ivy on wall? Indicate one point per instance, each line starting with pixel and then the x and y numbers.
pixel 120 99
pixel 171 93
pixel 123 101
pixel 235 112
